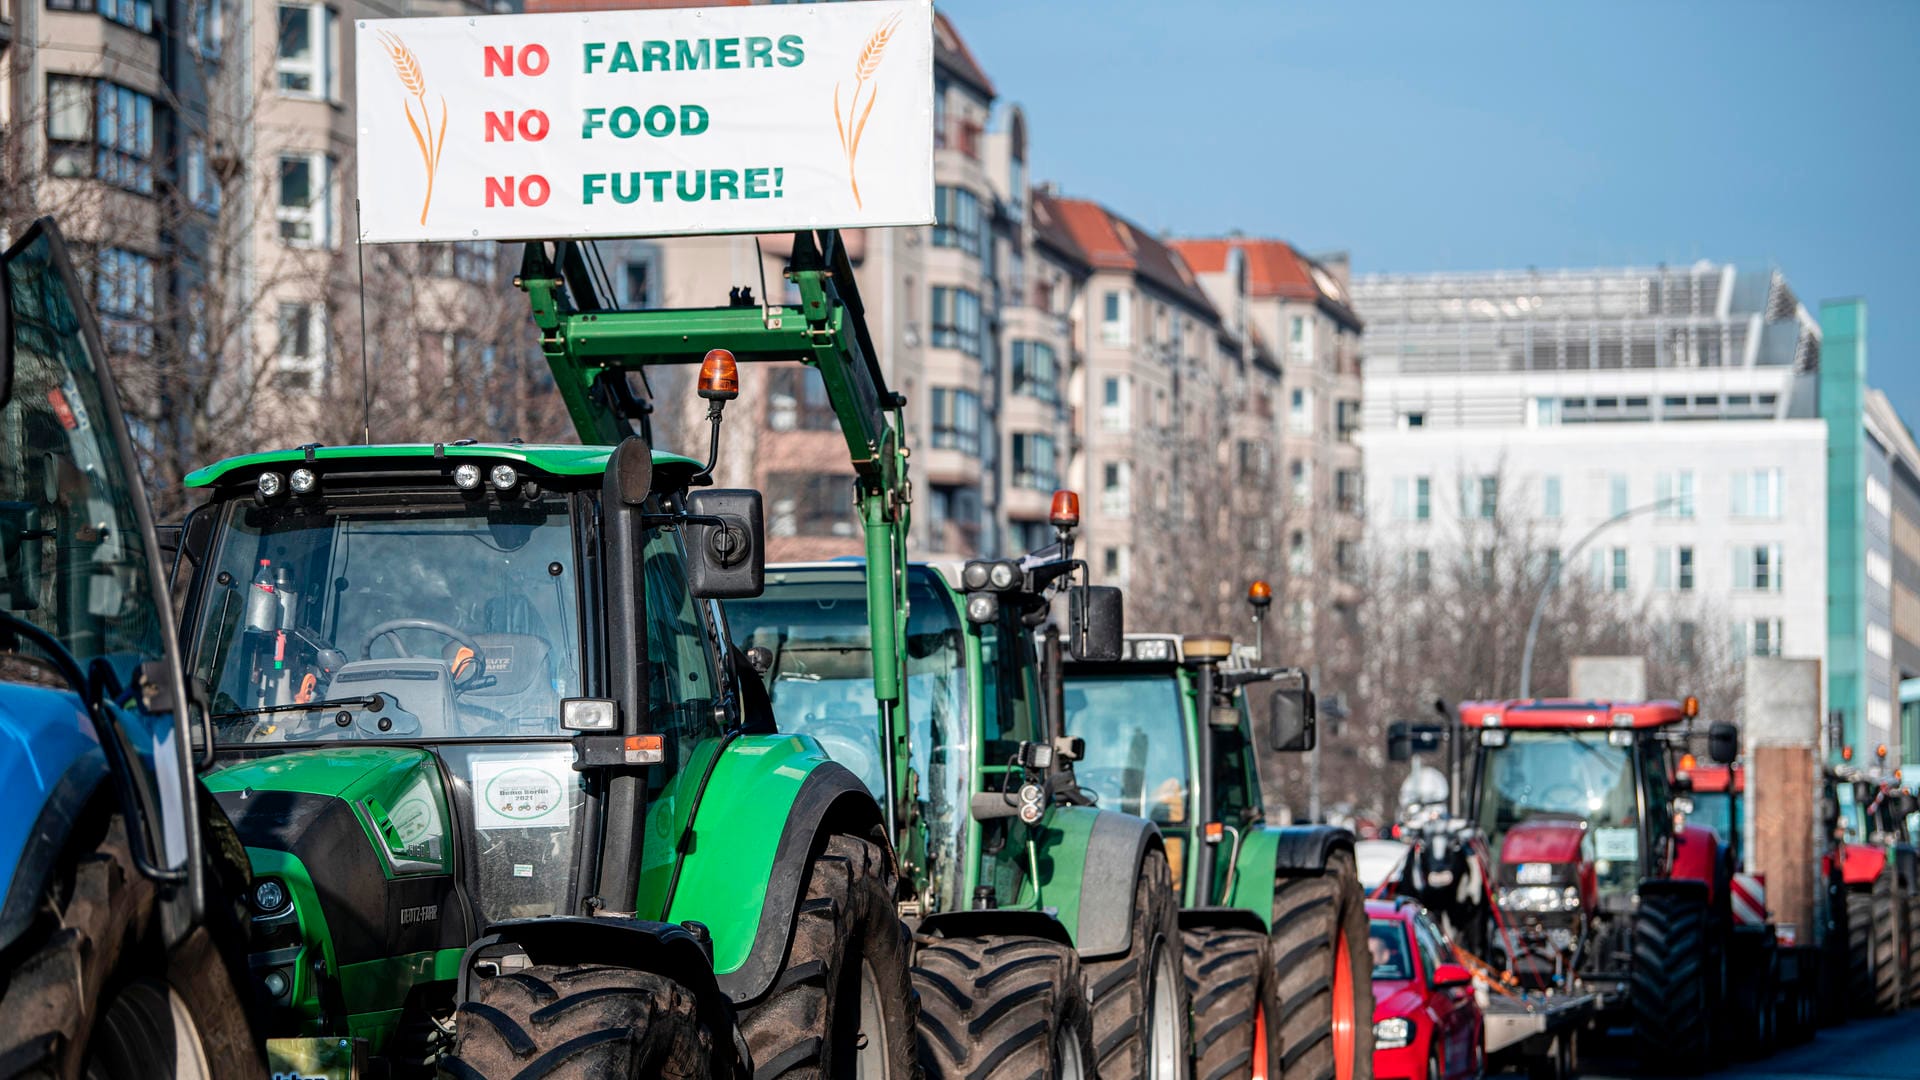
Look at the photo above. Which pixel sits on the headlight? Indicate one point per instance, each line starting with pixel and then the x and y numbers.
pixel 269 896
pixel 302 481
pixel 270 484
pixel 1540 898
pixel 983 608
pixel 466 476
pixel 1392 1033
pixel 503 477
pixel 1000 576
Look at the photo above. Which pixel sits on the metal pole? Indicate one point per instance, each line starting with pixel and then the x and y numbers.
pixel 1313 758
pixel 1553 582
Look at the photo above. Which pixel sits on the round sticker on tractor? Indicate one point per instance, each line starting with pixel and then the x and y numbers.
pixel 518 793
pixel 523 794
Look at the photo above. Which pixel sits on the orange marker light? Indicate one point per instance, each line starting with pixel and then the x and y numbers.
pixel 1687 762
pixel 1846 753
pixel 1066 510
pixel 1690 708
pixel 1880 751
pixel 1216 831
pixel 645 749
pixel 719 376
pixel 1259 594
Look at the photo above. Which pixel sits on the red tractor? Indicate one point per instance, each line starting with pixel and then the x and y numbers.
pixel 1870 868
pixel 1599 887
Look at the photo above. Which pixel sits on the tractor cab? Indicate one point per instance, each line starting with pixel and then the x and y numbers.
pixel 1577 804
pixel 1712 796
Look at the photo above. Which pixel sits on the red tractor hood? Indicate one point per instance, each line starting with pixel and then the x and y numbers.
pixel 1550 841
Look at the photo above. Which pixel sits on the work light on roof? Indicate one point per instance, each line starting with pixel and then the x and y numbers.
pixel 270 484
pixel 1001 575
pixel 302 481
pixel 719 376
pixel 1153 649
pixel 503 477
pixel 1259 594
pixel 466 476
pixel 973 576
pixel 1065 512
pixel 982 607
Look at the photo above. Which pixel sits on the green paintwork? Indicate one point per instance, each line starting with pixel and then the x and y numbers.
pixel 1252 880
pixel 382 784
pixel 724 874
pixel 554 460
pixel 1843 388
pixel 314 933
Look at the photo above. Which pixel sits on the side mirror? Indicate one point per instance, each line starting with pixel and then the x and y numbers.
pixel 726 561
pixel 1723 742
pixel 1095 618
pixel 1293 716
pixel 1445 975
pixel 6 337
pixel 1406 738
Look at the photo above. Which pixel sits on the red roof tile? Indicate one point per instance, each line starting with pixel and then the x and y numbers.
pixel 1274 268
pixel 1111 242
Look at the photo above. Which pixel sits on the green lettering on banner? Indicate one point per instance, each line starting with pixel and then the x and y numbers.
pixel 593 51
pixel 757 184
pixel 623 58
pixel 656 56
pixel 699 190
pixel 658 178
pixel 726 54
pixel 759 52
pixel 683 185
pixel 693 120
pixel 791 52
pixel 591 184
pixel 726 180
pixel 632 192
pixel 692 55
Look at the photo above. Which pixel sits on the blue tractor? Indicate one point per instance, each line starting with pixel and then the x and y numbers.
pixel 121 885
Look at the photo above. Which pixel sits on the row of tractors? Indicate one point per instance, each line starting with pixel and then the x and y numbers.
pixel 1597 875
pixel 483 760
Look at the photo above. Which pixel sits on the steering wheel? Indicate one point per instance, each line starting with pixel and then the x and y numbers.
pixel 392 626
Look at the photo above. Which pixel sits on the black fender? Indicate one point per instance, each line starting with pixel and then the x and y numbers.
pixel 665 949
pixel 65 804
pixel 1680 887
pixel 1116 844
pixel 995 922
pixel 832 801
pixel 1303 850
pixel 1221 918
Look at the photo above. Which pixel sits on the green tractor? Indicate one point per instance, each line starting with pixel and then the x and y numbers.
pixel 513 804
pixel 1014 880
pixel 1273 918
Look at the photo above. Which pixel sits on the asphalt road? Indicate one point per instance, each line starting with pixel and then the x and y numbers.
pixel 1885 1049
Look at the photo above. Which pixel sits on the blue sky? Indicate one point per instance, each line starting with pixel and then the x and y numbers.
pixel 1480 135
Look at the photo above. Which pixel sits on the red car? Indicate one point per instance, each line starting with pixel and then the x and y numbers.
pixel 1426 1022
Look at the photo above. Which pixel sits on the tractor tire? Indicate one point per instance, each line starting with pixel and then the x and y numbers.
pixel 1324 1023
pixel 1226 969
pixel 1141 1019
pixel 1673 989
pixel 591 1020
pixel 1913 950
pixel 843 1003
pixel 1002 1008
pixel 93 996
pixel 1873 950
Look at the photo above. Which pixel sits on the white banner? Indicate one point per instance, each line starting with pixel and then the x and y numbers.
pixel 646 123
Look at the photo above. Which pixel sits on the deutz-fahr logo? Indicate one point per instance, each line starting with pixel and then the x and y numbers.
pixel 425 913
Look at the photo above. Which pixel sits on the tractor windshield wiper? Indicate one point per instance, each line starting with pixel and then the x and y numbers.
pixel 371 703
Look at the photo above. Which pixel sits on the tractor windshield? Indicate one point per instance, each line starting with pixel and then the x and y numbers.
pixel 812 624
pixel 1570 775
pixel 441 618
pixel 1136 758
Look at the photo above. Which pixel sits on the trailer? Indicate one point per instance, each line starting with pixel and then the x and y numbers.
pixel 1537 1032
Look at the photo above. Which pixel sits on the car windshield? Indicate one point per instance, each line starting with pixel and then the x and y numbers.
pixel 455 619
pixel 1387 940
pixel 1136 753
pixel 1570 775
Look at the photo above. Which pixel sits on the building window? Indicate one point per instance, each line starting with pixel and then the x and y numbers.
pixel 1880 572
pixel 1413 420
pixel 956 321
pixel 1346 561
pixel 1686 641
pixel 1673 491
pixel 956 420
pixel 197 181
pixel 1255 458
pixel 124 294
pixel 1879 641
pixel 638 282
pixel 958 222
pixel 797 400
pixel 1546 411
pixel 101 130
pixel 301 355
pixel 1300 481
pixel 1421 576
pixel 1116 488
pixel 137 14
pixel 1673 569
pixel 1617 492
pixel 1299 553
pixel 1346 490
pixel 1879 497
pixel 308 60
pixel 1756 567
pixel 1552 563
pixel 1300 411
pixel 1610 569
pixel 306 200
pixel 1480 497
pixel 1033 462
pixel 810 504
pixel 1299 337
pixel 468 260
pixel 1114 404
pixel 1756 637
pixel 1115 326
pixel 1550 498
pixel 209 28
pixel 1346 420
pixel 1036 371
pixel 1113 562
pixel 1758 493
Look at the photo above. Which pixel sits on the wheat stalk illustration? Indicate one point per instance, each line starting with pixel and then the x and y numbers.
pixel 854 123
pixel 414 80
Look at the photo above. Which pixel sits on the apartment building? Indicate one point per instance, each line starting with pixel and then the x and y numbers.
pixel 1684 399
pixel 1298 315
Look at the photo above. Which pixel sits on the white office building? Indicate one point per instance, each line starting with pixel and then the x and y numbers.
pixel 1563 398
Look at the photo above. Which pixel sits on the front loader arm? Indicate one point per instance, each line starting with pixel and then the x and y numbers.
pixel 592 347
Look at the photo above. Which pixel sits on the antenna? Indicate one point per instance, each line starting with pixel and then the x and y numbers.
pixel 366 380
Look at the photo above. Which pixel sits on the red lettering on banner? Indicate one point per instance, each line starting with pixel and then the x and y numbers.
pixel 500 60
pixel 530 190
pixel 532 125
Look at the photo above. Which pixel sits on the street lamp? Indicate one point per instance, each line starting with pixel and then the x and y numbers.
pixel 1553 582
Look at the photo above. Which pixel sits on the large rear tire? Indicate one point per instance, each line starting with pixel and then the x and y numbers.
pixel 1002 1008
pixel 843 1004
pixel 93 995
pixel 592 1020
pixel 1873 950
pixel 1226 970
pixel 1141 1018
pixel 1323 974
pixel 1913 949
pixel 1672 992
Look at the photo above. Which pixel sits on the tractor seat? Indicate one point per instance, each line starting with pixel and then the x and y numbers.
pixel 521 667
